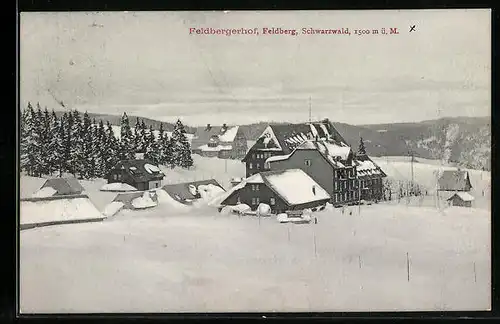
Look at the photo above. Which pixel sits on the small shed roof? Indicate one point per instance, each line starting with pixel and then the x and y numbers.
pixel 465 196
pixel 64 186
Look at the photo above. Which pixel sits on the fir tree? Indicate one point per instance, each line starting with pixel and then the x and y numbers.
pixel 143 137
pixel 29 146
pixel 160 144
pixel 361 149
pixel 152 152
pixel 38 149
pixel 22 138
pixel 76 145
pixel 53 143
pixel 100 146
pixel 112 148
pixel 86 164
pixel 62 151
pixel 136 134
pixel 181 149
pixel 45 166
pixel 126 144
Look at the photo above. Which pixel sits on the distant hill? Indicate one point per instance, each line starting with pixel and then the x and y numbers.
pixel 115 120
pixel 464 141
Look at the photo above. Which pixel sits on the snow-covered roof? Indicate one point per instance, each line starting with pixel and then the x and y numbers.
pixel 278 158
pixel 229 135
pixel 64 186
pixel 144 170
pixel 256 178
pixel 295 186
pixel 331 151
pixel 453 180
pixel 217 148
pixel 465 196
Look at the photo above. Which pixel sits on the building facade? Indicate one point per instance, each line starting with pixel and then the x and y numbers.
pixel 225 142
pixel 141 174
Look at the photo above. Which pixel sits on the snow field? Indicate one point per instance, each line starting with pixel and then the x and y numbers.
pixel 189 263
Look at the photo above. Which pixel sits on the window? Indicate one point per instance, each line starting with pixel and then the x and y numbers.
pixel 267 165
pixel 250 166
pixel 345 196
pixel 257 166
pixel 336 184
pixel 253 156
pixel 307 162
pixel 272 201
pixel 253 201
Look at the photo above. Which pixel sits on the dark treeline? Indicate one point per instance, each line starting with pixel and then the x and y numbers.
pixel 75 144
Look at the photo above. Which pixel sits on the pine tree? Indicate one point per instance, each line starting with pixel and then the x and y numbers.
pixel 181 149
pixel 152 151
pixel 99 147
pixel 45 167
pixel 126 144
pixel 76 145
pixel 86 164
pixel 361 149
pixel 29 145
pixel 62 148
pixel 160 144
pixel 38 150
pixel 137 131
pixel 53 143
pixel 111 148
pixel 143 137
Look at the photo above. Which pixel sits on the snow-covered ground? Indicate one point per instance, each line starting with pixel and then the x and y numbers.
pixel 206 261
pixel 175 257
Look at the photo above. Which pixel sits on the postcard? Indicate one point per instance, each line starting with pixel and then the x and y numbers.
pixel 255 161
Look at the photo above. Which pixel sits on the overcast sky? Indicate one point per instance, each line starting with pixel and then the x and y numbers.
pixel 147 64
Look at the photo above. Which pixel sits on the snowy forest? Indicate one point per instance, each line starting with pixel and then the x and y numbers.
pixel 75 144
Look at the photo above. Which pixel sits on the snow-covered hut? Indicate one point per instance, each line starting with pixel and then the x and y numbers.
pixel 283 190
pixel 462 199
pixel 141 174
pixel 60 187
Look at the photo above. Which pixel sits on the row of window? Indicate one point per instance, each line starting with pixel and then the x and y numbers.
pixel 344 173
pixel 255 187
pixel 256 201
pixel 353 184
pixel 267 166
pixel 346 196
pixel 263 155
pixel 117 176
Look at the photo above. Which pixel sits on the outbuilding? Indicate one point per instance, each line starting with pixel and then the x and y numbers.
pixel 462 199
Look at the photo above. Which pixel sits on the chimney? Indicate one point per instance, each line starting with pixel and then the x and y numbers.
pixel 208 127
pixel 139 156
pixel 224 128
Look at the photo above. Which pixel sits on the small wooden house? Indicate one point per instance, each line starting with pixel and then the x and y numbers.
pixel 283 191
pixel 462 199
pixel 141 174
pixel 454 180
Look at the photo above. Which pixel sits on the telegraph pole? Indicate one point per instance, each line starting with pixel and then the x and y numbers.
pixel 411 162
